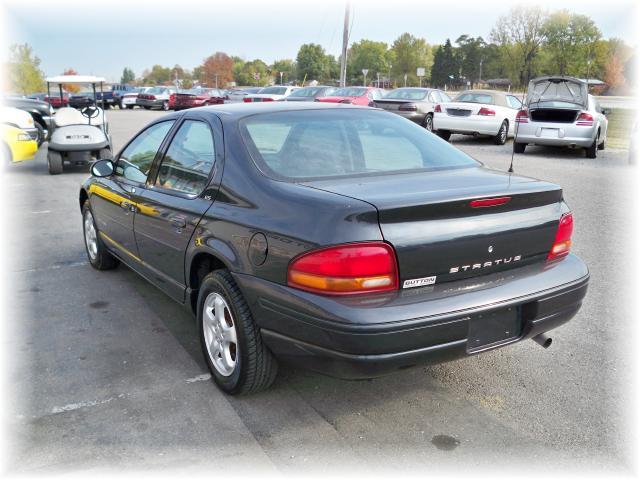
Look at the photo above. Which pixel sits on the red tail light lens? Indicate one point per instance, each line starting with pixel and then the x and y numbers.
pixel 437 109
pixel 346 269
pixel 562 242
pixel 152 97
pixel 487 112
pixel 408 107
pixel 246 100
pixel 584 119
pixel 489 202
pixel 522 116
pixel 267 99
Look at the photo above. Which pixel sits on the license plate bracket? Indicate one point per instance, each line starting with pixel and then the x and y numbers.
pixel 492 328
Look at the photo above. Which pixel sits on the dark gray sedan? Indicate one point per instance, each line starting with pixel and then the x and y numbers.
pixel 415 104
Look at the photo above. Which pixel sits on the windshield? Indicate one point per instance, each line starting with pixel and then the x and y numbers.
pixel 306 92
pixel 156 90
pixel 407 94
pixel 350 92
pixel 274 90
pixel 315 144
pixel 472 97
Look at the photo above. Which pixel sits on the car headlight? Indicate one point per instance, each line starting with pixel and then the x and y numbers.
pixel 23 137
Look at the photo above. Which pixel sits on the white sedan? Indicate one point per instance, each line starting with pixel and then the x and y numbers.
pixel 478 112
pixel 270 94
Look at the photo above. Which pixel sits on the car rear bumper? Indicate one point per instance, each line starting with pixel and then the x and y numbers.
pixel 556 134
pixel 143 102
pixel 377 334
pixel 467 125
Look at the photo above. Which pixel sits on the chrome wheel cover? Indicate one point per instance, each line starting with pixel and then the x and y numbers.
pixel 503 133
pixel 220 337
pixel 90 235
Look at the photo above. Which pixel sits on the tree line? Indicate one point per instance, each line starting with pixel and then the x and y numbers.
pixel 525 43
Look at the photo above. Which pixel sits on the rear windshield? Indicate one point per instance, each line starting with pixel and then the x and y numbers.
pixel 306 92
pixel 407 94
pixel 315 144
pixel 471 97
pixel 274 90
pixel 349 92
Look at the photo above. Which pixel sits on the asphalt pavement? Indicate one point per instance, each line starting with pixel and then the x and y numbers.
pixel 105 371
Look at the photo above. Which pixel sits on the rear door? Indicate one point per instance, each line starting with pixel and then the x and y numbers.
pixel 175 199
pixel 113 198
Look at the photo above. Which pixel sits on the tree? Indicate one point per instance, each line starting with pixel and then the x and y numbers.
pixel 313 63
pixel 445 66
pixel 255 73
pixel 369 55
pixel 614 73
pixel 158 75
pixel 410 53
pixel 217 70
pixel 521 29
pixel 70 87
pixel 24 71
pixel 470 53
pixel 287 67
pixel 630 69
pixel 127 76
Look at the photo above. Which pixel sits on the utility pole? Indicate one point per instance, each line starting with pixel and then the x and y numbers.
pixel 345 41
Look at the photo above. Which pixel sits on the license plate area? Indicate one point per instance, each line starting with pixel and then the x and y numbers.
pixel 493 328
pixel 550 133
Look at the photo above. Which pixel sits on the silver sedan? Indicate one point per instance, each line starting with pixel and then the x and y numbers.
pixel 560 112
pixel 416 104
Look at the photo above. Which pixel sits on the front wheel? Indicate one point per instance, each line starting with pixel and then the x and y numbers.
pixel 231 342
pixel 501 137
pixel 519 147
pixel 428 122
pixel 54 163
pixel 99 256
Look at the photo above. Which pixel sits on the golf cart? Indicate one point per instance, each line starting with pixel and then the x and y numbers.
pixel 81 136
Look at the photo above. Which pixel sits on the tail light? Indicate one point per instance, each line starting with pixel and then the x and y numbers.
pixel 522 116
pixel 152 97
pixel 408 107
pixel 346 269
pixel 584 119
pixel 246 100
pixel 346 100
pixel 487 112
pixel 437 109
pixel 267 99
pixel 562 242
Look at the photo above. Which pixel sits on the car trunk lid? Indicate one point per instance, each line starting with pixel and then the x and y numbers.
pixel 439 236
pixel 544 91
pixel 392 105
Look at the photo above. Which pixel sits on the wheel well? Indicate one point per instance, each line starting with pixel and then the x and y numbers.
pixel 83 198
pixel 39 120
pixel 201 265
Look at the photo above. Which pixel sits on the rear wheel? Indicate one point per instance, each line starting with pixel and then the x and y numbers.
pixel 165 105
pixel 130 107
pixel 519 147
pixel 231 342
pixel 592 151
pixel 602 144
pixel 99 256
pixel 444 134
pixel 501 137
pixel 147 108
pixel 428 122
pixel 54 163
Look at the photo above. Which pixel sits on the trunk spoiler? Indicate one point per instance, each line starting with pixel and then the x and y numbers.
pixel 558 89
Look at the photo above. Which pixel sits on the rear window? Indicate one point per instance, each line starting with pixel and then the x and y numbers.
pixel 314 144
pixel 306 92
pixel 350 92
pixel 470 97
pixel 274 90
pixel 406 94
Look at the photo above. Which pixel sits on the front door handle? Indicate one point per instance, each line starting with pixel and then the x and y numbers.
pixel 178 222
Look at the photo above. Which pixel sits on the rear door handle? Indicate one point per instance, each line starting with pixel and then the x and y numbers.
pixel 178 222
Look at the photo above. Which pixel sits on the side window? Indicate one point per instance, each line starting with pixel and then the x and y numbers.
pixel 433 97
pixel 189 160
pixel 513 102
pixel 135 161
pixel 444 97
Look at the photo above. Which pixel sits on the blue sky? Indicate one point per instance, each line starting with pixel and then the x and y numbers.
pixel 103 37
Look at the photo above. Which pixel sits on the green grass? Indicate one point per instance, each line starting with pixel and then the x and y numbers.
pixel 619 130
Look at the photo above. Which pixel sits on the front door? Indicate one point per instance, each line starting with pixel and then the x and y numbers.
pixel 113 199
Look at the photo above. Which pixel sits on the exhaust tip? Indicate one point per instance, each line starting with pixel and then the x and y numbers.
pixel 543 340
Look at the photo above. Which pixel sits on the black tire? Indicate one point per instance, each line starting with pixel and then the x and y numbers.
pixel 601 146
pixel 54 163
pixel 444 134
pixel 519 147
pixel 503 133
pixel 255 367
pixel 130 107
pixel 102 259
pixel 428 122
pixel 147 108
pixel 165 106
pixel 592 151
pixel 41 137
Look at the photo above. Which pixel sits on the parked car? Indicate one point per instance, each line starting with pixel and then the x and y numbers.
pixel 364 96
pixel 560 112
pixel 415 104
pixel 41 112
pixel 82 99
pixel 478 112
pixel 114 96
pixel 54 100
pixel 17 145
pixel 238 95
pixel 156 97
pixel 298 233
pixel 17 118
pixel 309 94
pixel 129 99
pixel 197 97
pixel 270 94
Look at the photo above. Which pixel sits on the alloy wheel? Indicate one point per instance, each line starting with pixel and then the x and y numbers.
pixel 220 334
pixel 90 236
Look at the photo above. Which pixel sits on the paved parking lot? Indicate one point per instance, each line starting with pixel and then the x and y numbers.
pixel 106 370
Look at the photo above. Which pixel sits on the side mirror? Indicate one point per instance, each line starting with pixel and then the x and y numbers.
pixel 102 168
pixel 604 111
